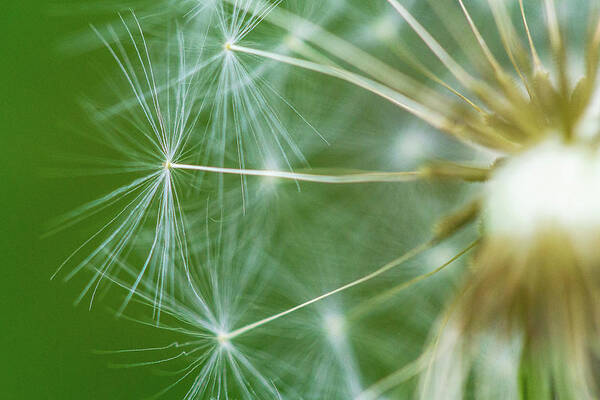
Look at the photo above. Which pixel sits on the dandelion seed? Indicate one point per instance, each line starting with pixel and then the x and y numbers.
pixel 523 324
pixel 165 121
pixel 200 314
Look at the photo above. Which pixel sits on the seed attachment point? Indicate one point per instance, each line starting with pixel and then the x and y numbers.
pixel 223 340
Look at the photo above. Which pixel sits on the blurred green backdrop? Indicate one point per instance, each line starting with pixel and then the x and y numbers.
pixel 47 341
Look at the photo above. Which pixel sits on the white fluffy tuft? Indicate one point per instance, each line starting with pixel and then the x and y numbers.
pixel 553 184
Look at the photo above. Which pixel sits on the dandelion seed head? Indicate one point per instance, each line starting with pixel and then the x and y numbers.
pixel 231 108
pixel 587 128
pixel 552 184
pixel 223 340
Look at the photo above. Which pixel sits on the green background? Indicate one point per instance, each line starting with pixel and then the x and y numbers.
pixel 48 343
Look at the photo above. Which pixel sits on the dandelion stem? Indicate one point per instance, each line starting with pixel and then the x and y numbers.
pixel 401 51
pixel 415 108
pixel 313 33
pixel 534 53
pixel 509 40
pixel 460 74
pixel 362 177
pixel 303 49
pixel 592 60
pixel 382 297
pixel 560 55
pixel 356 57
pixel 406 372
pixel 596 36
pixel 392 264
pixel 553 26
pixel 410 370
pixel 482 44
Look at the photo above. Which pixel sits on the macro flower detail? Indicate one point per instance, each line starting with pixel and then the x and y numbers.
pixel 286 259
pixel 531 299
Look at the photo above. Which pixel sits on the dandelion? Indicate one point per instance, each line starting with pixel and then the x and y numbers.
pixel 524 320
pixel 164 120
pixel 197 317
pixel 165 109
